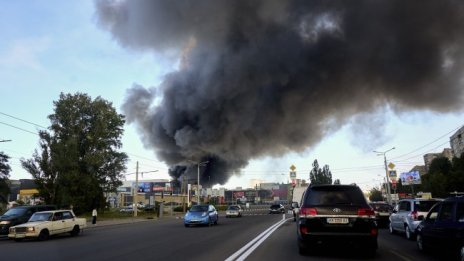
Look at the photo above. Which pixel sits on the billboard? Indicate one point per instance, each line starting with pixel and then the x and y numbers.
pixel 410 178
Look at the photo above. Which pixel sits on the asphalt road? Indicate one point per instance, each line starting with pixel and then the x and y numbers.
pixel 167 239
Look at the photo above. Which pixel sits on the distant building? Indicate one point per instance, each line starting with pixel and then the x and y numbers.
pixel 429 157
pixel 457 142
pixel 420 169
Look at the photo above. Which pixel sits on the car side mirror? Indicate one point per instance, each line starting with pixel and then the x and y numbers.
pixel 394 211
pixel 420 217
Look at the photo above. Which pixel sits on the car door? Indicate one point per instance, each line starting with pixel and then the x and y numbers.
pixel 444 228
pixel 68 221
pixel 57 225
pixel 427 225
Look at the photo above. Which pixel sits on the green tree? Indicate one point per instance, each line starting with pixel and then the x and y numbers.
pixel 438 178
pixel 320 176
pixel 79 159
pixel 337 182
pixel 375 195
pixel 4 177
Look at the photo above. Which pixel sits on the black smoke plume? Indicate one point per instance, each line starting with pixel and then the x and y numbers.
pixel 264 78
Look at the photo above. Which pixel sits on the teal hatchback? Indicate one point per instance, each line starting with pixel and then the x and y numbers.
pixel 201 215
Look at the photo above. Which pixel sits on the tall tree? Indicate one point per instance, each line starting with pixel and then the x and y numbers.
pixel 337 182
pixel 375 195
pixel 437 180
pixel 320 176
pixel 4 177
pixel 79 158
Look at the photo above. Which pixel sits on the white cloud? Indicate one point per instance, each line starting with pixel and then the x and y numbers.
pixel 25 53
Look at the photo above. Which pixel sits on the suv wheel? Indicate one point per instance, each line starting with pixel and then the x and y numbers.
pixel 420 243
pixel 461 254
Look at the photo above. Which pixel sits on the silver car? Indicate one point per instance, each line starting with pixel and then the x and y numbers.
pixel 234 211
pixel 405 215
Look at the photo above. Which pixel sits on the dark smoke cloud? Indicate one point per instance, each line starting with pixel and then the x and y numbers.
pixel 259 78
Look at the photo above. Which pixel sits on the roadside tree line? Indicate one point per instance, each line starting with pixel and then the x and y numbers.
pixel 78 159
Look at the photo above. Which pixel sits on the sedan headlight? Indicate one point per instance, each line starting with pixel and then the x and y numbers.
pixel 5 222
pixel 30 229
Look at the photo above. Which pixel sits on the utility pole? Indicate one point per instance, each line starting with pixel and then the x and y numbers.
pixel 389 199
pixel 198 176
pixel 136 190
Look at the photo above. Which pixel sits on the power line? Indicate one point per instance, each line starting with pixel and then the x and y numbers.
pixel 448 133
pixel 37 125
pixel 19 128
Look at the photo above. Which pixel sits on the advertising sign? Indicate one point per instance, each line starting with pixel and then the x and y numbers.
pixel 410 178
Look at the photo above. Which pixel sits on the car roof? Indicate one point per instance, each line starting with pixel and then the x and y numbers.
pixel 453 199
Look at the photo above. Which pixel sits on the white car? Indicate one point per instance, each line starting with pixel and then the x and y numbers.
pixel 44 224
pixel 234 211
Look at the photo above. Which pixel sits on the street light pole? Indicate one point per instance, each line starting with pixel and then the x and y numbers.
pixel 389 200
pixel 198 177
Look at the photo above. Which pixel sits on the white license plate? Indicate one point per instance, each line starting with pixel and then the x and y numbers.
pixel 20 236
pixel 337 220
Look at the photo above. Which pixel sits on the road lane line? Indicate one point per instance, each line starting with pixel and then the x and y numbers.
pixel 400 255
pixel 253 244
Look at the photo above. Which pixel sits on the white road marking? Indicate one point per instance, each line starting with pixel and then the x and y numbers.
pixel 246 250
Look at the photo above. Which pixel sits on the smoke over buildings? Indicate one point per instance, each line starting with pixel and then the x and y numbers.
pixel 260 78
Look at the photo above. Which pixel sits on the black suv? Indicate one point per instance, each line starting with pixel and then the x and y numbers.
pixel 19 215
pixel 336 215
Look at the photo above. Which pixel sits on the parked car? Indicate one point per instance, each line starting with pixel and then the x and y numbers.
pixel 201 215
pixel 43 224
pixel 442 228
pixel 382 212
pixel 128 209
pixel 19 215
pixel 276 209
pixel 336 216
pixel 234 211
pixel 405 215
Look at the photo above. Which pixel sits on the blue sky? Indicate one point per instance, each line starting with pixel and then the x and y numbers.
pixel 49 47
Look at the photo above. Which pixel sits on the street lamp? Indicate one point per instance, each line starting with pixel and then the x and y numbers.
pixel 389 200
pixel 198 176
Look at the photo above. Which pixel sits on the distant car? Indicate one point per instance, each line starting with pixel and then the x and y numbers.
pixel 336 217
pixel 128 209
pixel 382 212
pixel 234 211
pixel 276 209
pixel 442 228
pixel 149 208
pixel 405 215
pixel 201 215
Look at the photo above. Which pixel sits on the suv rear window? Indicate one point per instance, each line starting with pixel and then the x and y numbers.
pixel 334 195
pixel 423 206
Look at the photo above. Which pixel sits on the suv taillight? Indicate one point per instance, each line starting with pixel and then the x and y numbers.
pixel 308 212
pixel 366 212
pixel 413 215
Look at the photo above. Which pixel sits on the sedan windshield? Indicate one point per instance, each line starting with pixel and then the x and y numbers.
pixel 199 209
